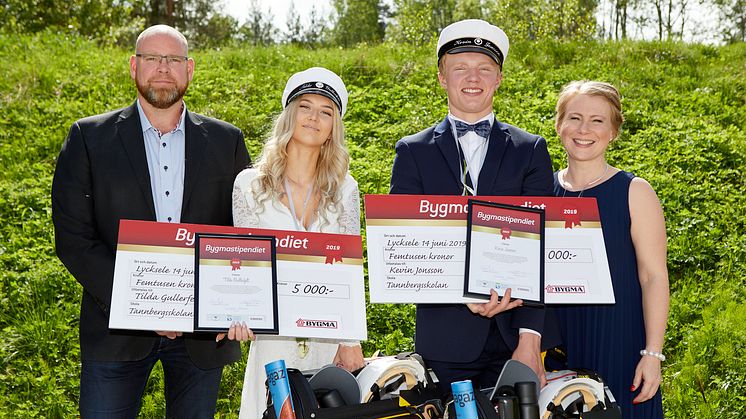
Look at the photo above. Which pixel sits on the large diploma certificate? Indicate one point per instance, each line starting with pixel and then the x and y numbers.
pixel 320 283
pixel 504 249
pixel 235 280
pixel 416 248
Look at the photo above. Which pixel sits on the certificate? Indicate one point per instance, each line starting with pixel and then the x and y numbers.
pixel 320 284
pixel 417 244
pixel 504 249
pixel 416 248
pixel 235 280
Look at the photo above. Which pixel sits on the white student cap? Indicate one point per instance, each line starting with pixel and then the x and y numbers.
pixel 316 80
pixel 474 35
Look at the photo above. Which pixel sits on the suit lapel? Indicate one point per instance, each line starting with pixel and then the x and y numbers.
pixel 129 131
pixel 443 137
pixel 196 141
pixel 498 141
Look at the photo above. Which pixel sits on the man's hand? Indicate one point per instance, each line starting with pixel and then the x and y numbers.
pixel 494 305
pixel 529 353
pixel 168 334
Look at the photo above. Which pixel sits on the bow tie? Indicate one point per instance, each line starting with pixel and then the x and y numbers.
pixel 481 128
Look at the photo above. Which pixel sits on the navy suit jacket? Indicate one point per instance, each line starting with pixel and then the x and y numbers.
pixel 102 177
pixel 516 163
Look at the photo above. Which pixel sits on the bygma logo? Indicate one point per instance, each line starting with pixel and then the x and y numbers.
pixel 317 324
pixel 565 289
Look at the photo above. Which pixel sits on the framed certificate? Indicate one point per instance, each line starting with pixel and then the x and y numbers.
pixel 235 279
pixel 504 249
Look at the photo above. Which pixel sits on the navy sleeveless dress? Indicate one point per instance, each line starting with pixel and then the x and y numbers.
pixel 608 338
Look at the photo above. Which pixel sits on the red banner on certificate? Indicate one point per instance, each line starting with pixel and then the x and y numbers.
pixel 416 248
pixel 181 236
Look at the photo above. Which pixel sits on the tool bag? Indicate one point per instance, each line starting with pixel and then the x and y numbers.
pixel 485 408
pixel 396 387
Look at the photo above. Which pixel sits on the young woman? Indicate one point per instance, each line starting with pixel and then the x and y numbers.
pixel 622 341
pixel 300 182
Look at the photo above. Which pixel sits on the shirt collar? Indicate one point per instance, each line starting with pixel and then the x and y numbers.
pixel 146 125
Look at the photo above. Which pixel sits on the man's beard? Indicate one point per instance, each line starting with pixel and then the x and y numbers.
pixel 161 98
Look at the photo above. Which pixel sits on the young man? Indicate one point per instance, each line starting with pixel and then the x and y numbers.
pixel 471 153
pixel 157 161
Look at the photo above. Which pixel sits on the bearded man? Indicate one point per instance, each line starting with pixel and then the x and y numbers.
pixel 154 160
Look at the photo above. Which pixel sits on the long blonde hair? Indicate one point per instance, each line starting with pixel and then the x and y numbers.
pixel 331 167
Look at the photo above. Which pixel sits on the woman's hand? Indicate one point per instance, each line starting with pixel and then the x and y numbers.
pixel 647 373
pixel 237 331
pixel 349 357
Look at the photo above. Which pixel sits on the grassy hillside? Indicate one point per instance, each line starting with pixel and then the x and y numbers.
pixel 685 133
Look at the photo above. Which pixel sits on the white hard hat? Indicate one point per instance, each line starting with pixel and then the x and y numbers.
pixel 382 373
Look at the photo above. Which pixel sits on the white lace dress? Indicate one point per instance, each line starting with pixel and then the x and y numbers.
pixel 303 354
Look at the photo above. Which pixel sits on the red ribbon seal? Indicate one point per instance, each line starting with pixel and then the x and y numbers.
pixel 235 264
pixel 571 215
pixel 333 252
pixel 506 231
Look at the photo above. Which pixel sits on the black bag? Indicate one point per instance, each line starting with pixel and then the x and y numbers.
pixel 420 403
pixel 485 409
pixel 301 393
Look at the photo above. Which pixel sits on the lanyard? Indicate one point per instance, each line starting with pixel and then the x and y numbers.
pixel 465 166
pixel 289 193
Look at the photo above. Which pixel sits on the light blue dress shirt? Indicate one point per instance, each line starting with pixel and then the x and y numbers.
pixel 165 153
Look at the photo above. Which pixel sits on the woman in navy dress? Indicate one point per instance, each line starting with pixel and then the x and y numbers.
pixel 623 341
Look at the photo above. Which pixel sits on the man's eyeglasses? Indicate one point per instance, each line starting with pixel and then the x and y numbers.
pixel 155 59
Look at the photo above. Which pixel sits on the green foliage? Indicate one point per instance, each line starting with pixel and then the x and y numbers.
pixel 685 134
pixel 117 22
pixel 358 21
pixel 258 29
pixel 732 20
pixel 709 373
pixel 546 19
pixel 109 21
pixel 420 21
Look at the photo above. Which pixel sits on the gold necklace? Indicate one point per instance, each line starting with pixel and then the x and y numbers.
pixel 564 184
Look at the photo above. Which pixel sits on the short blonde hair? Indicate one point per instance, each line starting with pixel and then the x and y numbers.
pixel 591 88
pixel 331 167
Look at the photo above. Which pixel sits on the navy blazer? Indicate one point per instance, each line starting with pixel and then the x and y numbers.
pixel 102 177
pixel 516 163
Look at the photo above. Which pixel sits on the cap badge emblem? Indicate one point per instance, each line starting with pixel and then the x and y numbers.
pixel 320 85
pixel 477 41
